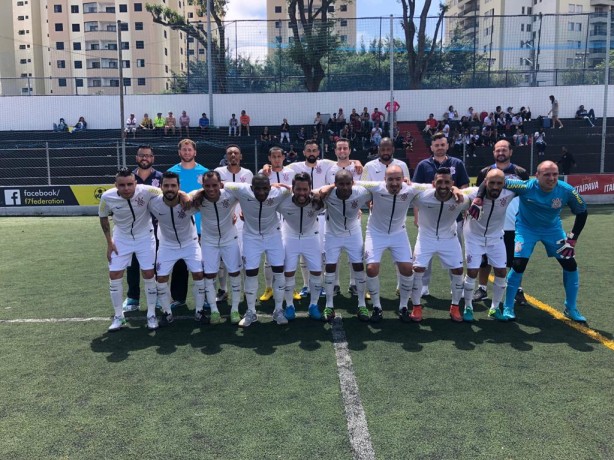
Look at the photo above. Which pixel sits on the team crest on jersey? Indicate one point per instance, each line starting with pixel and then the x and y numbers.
pixel 310 213
pixel 354 204
pixel 452 170
pixel 319 169
pixel 452 207
pixel 286 176
pixel 503 202
pixel 181 214
pixel 269 202
pixel 243 179
pixel 155 183
pixel 403 196
pixel 225 204
pixel 140 201
pixel 199 179
pixel 556 203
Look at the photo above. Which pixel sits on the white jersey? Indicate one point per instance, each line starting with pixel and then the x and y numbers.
pixel 176 226
pixel 299 222
pixel 330 174
pixel 438 218
pixel 284 176
pixel 389 212
pixel 217 219
pixel 375 169
pixel 317 173
pixel 131 218
pixel 260 218
pixel 493 215
pixel 343 216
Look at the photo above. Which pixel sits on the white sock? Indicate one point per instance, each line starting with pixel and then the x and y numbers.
pixel 361 287
pixel 337 282
pixel 498 291
pixel 222 276
pixel 305 273
pixel 406 284
pixel 457 287
pixel 278 289
pixel 426 277
pixel 373 288
pixel 151 294
pixel 289 290
pixel 235 285
pixel 210 294
pixel 352 275
pixel 198 290
pixel 416 290
pixel 251 287
pixel 315 286
pixel 483 286
pixel 116 289
pixel 396 269
pixel 268 276
pixel 164 296
pixel 469 287
pixel 329 280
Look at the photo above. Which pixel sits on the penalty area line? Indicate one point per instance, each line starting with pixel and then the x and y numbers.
pixel 358 431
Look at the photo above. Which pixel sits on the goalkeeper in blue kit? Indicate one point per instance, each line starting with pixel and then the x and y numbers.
pixel 539 219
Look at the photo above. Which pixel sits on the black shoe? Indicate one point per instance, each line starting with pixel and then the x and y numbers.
pixel 337 290
pixel 479 294
pixel 520 298
pixel 166 319
pixel 376 315
pixel 352 290
pixel 404 315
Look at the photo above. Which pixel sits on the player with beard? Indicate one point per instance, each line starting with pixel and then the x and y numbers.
pixel 178 240
pixel 232 172
pixel 437 236
pixel 145 174
pixel 375 170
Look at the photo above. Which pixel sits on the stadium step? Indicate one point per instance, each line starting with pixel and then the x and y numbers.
pixel 421 149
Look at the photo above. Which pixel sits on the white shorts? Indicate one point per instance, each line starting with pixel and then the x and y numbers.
pixel 448 250
pixel 308 247
pixel 229 253
pixel 167 257
pixel 239 226
pixel 322 225
pixel 144 248
pixel 494 250
pixel 376 243
pixel 254 247
pixel 351 243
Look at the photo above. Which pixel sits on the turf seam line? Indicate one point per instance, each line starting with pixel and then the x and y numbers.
pixel 536 303
pixel 358 431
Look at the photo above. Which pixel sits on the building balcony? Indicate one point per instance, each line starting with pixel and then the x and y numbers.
pixel 104 35
pixel 605 3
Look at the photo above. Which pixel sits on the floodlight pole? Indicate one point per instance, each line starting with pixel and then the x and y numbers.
pixel 209 63
pixel 121 91
pixel 606 84
pixel 391 113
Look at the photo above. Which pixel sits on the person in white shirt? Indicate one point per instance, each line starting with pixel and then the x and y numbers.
pixel 437 236
pixel 344 231
pixel 261 235
pixel 375 170
pixel 131 124
pixel 485 237
pixel 178 240
pixel 132 234
pixel 300 233
pixel 219 240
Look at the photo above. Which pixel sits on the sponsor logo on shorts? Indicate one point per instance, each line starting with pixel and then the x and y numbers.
pixel 518 247
pixel 469 258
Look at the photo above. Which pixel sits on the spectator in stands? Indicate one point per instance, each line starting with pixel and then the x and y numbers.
pixel 266 140
pixel 589 116
pixel 131 125
pixel 498 113
pixel 488 135
pixel 81 125
pixel 291 154
pixel 345 131
pixel 408 143
pixel 170 124
pixel 245 121
pixel 146 122
pixel 285 131
pixel 365 120
pixel 60 127
pixel 445 129
pixel 233 126
pixel 430 125
pixel 354 115
pixel 516 121
pixel 525 113
pixel 184 124
pixel 159 123
pixel 356 124
pixel 458 144
pixel 540 141
pixel 520 137
pixel 203 123
pixel 331 126
pixel 341 117
pixel 318 126
pixel 378 117
pixel 566 162
pixel 376 135
pixel 301 137
pixel 555 113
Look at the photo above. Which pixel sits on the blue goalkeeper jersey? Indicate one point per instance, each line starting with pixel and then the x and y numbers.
pixel 190 180
pixel 541 210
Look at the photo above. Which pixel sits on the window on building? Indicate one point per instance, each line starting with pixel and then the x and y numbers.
pixel 164 34
pixel 140 81
pixel 57 8
pixel 79 82
pixel 22 47
pixel 578 8
pixel 522 11
pixel 578 26
pixel 76 27
pixel 123 26
pixel 74 8
pixel 166 51
pixel 343 38
pixel 201 51
pixel 59 45
pixel 61 64
pixel 278 24
pixel 190 52
pixel 61 81
pixel 343 23
pixel 140 44
pixel 521 27
pixel 114 82
pixel 165 69
pixel 529 10
pixel 278 39
pixel 76 46
pixel 190 39
pixel 22 32
pixel 138 7
pixel 343 8
pixel 78 64
pixel 96 83
pixel 278 9
pixel 190 15
pixel 59 27
pixel 127 81
pixel 140 62
pixel 125 64
pixel 572 8
pixel 21 18
pixel 109 9
pixel 26 90
pixel 138 26
pixel 19 3
pixel 529 27
pixel 331 8
pixel 123 8
pixel 125 45
pixel 23 61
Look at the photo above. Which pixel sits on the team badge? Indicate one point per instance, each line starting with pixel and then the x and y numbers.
pixel 503 202
pixel 319 169
pixel 403 196
pixel 556 203
pixel 269 202
pixel 225 204
pixel 140 201
pixel 243 179
pixel 181 214
pixel 354 204
pixel 310 213
pixel 155 183
pixel 452 170
pixel 199 179
pixel 452 207
pixel 285 176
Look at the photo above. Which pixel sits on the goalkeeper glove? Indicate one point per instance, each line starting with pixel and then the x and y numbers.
pixel 567 249
pixel 475 210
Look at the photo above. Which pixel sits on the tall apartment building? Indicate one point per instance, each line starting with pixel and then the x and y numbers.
pixel 536 36
pixel 278 28
pixel 71 47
